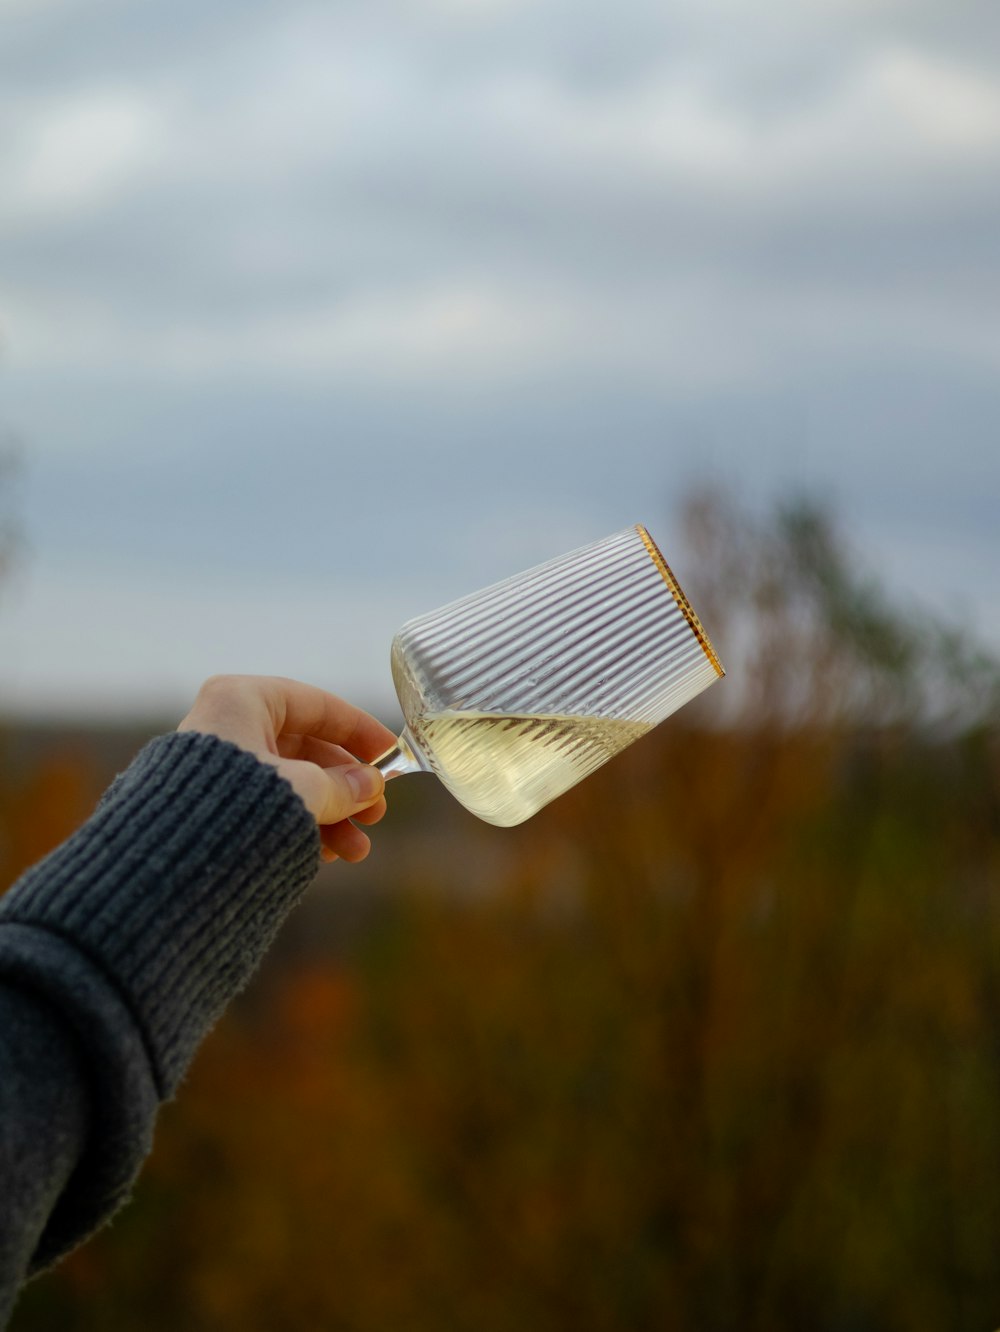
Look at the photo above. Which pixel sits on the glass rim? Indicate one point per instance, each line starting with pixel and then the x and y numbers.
pixel 677 591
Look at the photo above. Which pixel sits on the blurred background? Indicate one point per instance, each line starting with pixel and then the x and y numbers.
pixel 315 316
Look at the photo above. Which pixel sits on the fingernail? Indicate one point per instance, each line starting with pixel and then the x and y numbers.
pixel 365 783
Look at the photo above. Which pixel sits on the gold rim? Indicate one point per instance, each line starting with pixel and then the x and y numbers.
pixel 681 599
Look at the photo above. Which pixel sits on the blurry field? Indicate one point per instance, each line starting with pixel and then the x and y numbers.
pixel 711 1043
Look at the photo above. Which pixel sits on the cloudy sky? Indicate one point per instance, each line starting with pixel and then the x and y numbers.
pixel 316 315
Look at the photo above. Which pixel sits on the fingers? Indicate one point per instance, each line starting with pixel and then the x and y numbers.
pixel 315 740
pixel 326 755
pixel 305 710
pixel 373 814
pixel 344 841
pixel 333 794
pixel 257 710
pixel 307 747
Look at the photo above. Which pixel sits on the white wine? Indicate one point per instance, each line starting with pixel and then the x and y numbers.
pixel 504 767
pixel 513 694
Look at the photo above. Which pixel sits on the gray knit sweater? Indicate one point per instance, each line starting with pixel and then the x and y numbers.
pixel 117 954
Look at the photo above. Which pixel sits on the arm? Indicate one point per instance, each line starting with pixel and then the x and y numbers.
pixel 119 951
pixel 42 1082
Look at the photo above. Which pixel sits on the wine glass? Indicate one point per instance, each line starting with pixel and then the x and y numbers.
pixel 515 693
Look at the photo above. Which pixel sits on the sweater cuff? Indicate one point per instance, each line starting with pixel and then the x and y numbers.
pixel 177 885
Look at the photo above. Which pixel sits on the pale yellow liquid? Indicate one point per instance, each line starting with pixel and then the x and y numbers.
pixel 504 767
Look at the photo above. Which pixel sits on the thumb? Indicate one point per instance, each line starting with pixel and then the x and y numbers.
pixel 333 794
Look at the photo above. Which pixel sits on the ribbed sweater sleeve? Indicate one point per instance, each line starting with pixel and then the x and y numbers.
pixel 119 951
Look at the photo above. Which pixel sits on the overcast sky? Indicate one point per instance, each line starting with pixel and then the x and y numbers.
pixel 315 316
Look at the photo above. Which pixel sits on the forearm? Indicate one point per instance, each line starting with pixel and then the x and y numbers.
pixel 131 938
pixel 42 1083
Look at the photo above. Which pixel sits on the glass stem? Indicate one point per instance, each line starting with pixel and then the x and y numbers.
pixel 400 759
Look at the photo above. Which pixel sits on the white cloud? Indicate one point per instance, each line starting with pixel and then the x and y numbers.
pixel 466 9
pixel 947 106
pixel 76 153
pixel 674 333
pixel 896 110
pixel 440 329
pixel 13 8
pixel 634 227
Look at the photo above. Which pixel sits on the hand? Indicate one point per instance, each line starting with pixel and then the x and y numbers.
pixel 314 739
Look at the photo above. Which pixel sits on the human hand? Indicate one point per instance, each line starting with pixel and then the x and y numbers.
pixel 314 739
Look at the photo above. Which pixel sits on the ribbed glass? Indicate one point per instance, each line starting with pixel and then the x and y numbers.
pixel 515 693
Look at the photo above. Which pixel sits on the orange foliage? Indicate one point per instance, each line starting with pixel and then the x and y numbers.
pixel 40 809
pixel 710 1043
